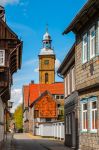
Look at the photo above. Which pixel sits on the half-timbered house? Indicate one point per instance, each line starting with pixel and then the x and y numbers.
pixel 10 62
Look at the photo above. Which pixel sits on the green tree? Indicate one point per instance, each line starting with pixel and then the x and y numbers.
pixel 18 117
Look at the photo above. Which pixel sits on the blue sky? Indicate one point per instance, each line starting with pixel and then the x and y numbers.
pixel 28 18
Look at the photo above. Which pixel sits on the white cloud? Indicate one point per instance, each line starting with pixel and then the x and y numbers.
pixel 16 97
pixel 36 69
pixel 57 64
pixel 31 62
pixel 5 2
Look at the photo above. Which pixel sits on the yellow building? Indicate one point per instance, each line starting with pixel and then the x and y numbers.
pixel 47 61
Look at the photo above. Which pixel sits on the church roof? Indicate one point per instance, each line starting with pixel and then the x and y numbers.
pixel 46 36
pixel 35 91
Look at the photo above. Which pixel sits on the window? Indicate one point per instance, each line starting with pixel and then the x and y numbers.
pixel 58 105
pixel 92 42
pixel 84 117
pixel 2 57
pixel 62 97
pixel 46 62
pixel 36 114
pixel 85 48
pixel 68 83
pixel 46 77
pixel 57 96
pixel 94 116
pixel 73 79
pixel 48 119
pixel 65 80
pixel 68 124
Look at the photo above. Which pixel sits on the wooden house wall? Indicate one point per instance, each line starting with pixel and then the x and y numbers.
pixel 46 107
pixel 87 74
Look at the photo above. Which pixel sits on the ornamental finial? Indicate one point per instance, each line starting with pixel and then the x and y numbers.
pixel 47 27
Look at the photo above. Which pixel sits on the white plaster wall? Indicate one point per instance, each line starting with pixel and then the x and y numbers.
pixel 46 130
pixel 55 130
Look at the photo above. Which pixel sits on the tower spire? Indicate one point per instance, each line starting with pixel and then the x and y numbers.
pixel 47 27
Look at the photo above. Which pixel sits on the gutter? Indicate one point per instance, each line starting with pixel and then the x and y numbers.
pixel 60 76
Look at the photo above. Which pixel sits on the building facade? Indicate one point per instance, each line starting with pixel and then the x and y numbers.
pixel 86 28
pixel 47 61
pixel 45 104
pixel 67 71
pixel 10 62
pixel 46 85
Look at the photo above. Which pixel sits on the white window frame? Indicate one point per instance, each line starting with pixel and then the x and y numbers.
pixel 73 79
pixel 65 80
pixel 92 39
pixel 84 113
pixel 91 119
pixel 68 83
pixel 3 62
pixel 85 50
pixel 98 38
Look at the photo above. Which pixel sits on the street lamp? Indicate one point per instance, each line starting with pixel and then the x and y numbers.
pixel 10 104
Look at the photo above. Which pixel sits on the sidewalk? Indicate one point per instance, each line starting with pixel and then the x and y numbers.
pixel 8 143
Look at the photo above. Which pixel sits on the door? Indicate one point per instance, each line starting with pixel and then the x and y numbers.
pixel 73 130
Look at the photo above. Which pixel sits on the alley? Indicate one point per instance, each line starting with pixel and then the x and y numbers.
pixel 29 142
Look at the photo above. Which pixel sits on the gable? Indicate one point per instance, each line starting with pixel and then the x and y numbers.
pixel 6 32
pixel 46 106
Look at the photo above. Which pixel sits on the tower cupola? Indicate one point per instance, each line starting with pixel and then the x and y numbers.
pixel 47 61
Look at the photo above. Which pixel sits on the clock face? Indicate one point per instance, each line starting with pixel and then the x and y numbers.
pixel 46 62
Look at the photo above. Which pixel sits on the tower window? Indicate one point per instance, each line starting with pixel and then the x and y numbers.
pixel 46 62
pixel 46 77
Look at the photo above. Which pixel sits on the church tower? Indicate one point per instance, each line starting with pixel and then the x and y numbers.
pixel 47 61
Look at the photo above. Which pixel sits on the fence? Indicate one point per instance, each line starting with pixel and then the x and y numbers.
pixel 55 130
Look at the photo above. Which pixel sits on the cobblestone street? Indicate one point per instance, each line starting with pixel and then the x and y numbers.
pixel 27 141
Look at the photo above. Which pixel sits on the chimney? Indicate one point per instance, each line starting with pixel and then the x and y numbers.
pixel 32 81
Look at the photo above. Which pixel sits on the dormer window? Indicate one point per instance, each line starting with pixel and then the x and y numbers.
pixel 2 57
